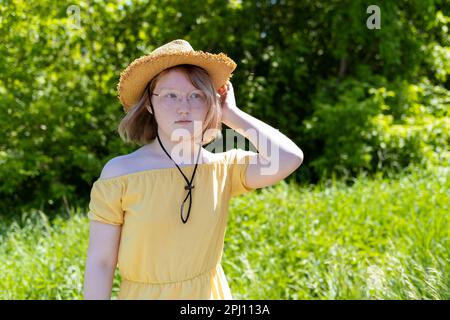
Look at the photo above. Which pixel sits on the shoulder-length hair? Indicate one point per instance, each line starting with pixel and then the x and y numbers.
pixel 139 126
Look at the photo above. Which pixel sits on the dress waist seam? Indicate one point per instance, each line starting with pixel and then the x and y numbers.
pixel 172 282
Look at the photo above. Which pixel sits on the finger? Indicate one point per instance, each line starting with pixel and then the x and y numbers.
pixel 222 90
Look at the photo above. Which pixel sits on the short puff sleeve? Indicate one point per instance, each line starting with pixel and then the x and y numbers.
pixel 240 160
pixel 106 202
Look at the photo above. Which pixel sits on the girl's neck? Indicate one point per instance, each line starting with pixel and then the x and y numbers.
pixel 181 152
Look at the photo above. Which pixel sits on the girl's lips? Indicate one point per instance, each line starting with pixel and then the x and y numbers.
pixel 183 121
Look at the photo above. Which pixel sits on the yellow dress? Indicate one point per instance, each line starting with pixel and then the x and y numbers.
pixel 159 256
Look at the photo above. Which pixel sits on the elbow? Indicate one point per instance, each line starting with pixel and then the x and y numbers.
pixel 293 162
pixel 297 159
pixel 298 162
pixel 300 157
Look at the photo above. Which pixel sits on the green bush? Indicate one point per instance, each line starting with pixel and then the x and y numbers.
pixel 378 126
pixel 311 69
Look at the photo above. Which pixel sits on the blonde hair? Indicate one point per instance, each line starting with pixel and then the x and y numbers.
pixel 139 126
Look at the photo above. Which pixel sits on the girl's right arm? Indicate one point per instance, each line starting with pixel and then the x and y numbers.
pixel 101 260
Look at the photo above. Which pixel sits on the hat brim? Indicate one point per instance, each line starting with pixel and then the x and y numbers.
pixel 136 76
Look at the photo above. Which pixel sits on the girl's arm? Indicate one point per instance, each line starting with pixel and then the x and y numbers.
pixel 101 260
pixel 278 156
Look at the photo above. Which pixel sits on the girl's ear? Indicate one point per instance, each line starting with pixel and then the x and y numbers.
pixel 149 109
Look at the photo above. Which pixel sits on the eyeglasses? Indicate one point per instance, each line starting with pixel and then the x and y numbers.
pixel 171 97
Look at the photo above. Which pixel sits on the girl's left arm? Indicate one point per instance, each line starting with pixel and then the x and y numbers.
pixel 263 169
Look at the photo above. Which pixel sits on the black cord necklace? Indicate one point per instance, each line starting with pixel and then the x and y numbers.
pixel 189 185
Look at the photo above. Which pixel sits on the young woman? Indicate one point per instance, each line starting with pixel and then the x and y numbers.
pixel 160 212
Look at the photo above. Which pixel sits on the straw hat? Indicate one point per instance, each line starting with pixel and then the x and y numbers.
pixel 135 77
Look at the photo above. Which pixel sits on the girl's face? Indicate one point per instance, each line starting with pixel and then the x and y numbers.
pixel 171 105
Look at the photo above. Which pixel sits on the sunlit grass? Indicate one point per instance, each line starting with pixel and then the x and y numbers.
pixel 377 239
pixel 382 239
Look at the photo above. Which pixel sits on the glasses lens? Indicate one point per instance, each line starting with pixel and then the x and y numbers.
pixel 171 98
pixel 197 99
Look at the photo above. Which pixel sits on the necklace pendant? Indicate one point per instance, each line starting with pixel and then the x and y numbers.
pixel 182 218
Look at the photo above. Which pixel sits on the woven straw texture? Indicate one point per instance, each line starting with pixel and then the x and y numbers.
pixel 138 73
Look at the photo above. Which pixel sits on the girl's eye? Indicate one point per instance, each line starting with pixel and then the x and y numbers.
pixel 171 95
pixel 196 96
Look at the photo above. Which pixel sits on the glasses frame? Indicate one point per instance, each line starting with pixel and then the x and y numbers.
pixel 186 97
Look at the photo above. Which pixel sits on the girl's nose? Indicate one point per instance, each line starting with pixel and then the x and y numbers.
pixel 183 106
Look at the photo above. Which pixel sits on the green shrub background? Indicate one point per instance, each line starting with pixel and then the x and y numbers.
pixel 354 99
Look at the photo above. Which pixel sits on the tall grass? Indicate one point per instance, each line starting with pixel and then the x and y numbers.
pixel 376 239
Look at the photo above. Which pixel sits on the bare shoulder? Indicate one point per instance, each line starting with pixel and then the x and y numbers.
pixel 126 164
pixel 114 167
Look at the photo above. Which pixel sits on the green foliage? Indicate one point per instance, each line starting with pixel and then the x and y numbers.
pixel 381 238
pixel 378 126
pixel 303 66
